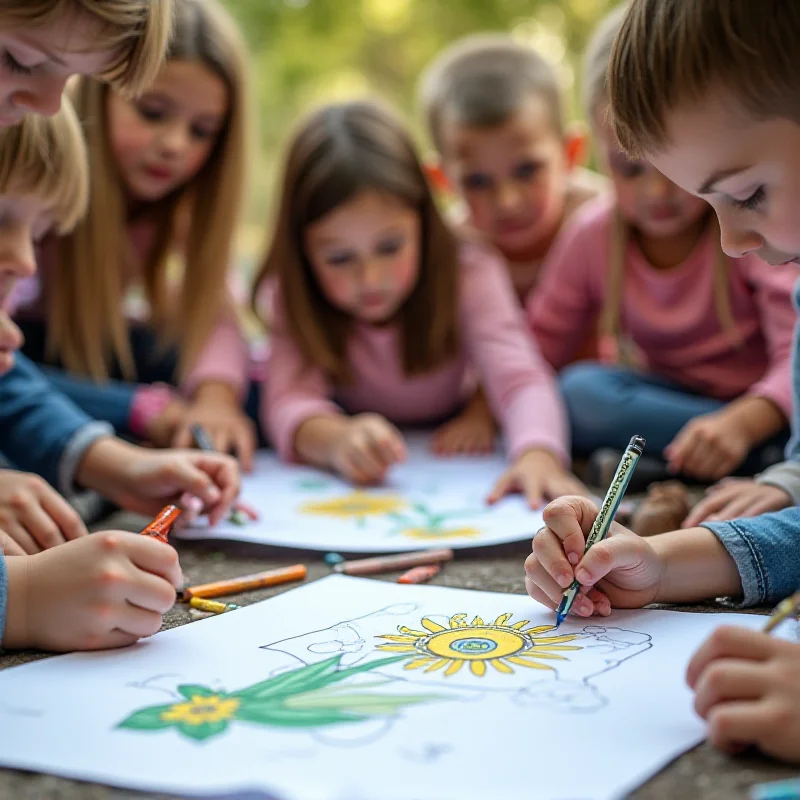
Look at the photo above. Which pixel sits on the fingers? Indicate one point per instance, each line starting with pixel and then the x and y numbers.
pixel 506 484
pixel 717 500
pixel 212 477
pixel 21 537
pixel 570 519
pixel 548 559
pixel 9 547
pixel 550 585
pixel 732 726
pixel 139 622
pixel 65 517
pixel 615 553
pixel 111 640
pixel 146 553
pixel 244 439
pixel 183 439
pixel 40 526
pixel 728 679
pixel 728 642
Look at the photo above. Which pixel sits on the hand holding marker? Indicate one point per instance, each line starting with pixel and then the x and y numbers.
pixel 605 516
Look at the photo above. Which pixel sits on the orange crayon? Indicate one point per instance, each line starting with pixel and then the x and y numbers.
pixel 160 527
pixel 246 583
pixel 420 574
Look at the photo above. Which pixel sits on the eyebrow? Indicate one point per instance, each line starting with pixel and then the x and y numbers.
pixel 716 177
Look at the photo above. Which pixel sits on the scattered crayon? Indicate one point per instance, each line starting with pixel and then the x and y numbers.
pixel 161 526
pixel 332 559
pixel 259 580
pixel 776 790
pixel 374 566
pixel 420 574
pixel 214 606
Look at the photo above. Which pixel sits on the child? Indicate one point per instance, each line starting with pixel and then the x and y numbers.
pixel 45 42
pixel 111 588
pixel 695 347
pixel 379 306
pixel 167 179
pixel 493 111
pixel 729 132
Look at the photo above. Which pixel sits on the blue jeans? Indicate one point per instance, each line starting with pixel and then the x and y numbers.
pixel 607 405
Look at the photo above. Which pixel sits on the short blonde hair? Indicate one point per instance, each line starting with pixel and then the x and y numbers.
pixel 482 80
pixel 137 31
pixel 669 52
pixel 46 157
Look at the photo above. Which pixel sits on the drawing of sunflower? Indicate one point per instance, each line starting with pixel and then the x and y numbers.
pixel 356 505
pixel 498 644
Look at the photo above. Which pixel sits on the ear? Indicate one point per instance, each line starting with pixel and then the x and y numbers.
pixel 576 144
pixel 436 175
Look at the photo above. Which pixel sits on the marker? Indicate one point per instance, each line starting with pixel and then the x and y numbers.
pixel 420 574
pixel 605 516
pixel 213 606
pixel 246 583
pixel 239 514
pixel 374 566
pixel 776 790
pixel 785 609
pixel 161 526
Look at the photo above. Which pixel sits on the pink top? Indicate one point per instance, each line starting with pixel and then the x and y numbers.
pixel 518 383
pixel 224 358
pixel 671 314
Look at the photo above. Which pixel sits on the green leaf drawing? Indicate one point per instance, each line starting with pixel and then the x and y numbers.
pixel 202 732
pixel 364 703
pixel 190 690
pixel 147 719
pixel 277 715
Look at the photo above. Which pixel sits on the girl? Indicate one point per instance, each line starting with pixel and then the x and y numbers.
pixel 377 305
pixel 167 181
pixel 45 42
pixel 694 346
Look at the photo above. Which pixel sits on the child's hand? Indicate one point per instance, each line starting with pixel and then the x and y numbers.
pixel 104 590
pixel 734 498
pixel 472 432
pixel 708 448
pixel 229 429
pixel 9 547
pixel 746 688
pixel 33 514
pixel 539 475
pixel 367 447
pixel 623 570
pixel 144 481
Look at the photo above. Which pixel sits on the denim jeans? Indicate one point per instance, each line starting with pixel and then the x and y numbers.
pixel 607 405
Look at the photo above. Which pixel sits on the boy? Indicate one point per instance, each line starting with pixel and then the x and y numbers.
pixel 708 92
pixel 493 110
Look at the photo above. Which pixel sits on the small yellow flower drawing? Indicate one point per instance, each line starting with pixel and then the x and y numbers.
pixel 356 505
pixel 200 710
pixel 440 533
pixel 478 643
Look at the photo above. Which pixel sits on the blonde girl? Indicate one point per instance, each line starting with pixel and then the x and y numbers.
pixel 694 346
pixel 378 312
pixel 43 42
pixel 167 182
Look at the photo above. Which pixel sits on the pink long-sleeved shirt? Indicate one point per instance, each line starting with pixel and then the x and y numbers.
pixel 518 383
pixel 224 357
pixel 671 314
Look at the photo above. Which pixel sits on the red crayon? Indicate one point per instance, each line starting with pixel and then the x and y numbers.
pixel 420 574
pixel 161 526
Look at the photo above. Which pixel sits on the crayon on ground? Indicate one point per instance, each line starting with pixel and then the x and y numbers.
pixel 374 566
pixel 420 574
pixel 214 606
pixel 777 790
pixel 246 583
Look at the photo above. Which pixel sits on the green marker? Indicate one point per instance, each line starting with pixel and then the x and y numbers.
pixel 605 516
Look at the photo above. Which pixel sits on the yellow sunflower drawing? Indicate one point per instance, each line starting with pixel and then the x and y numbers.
pixel 478 643
pixel 200 710
pixel 356 505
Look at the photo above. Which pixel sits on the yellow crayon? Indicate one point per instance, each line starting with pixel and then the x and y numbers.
pixel 214 606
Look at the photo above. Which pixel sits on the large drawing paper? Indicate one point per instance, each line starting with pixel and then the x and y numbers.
pixel 349 688
pixel 427 502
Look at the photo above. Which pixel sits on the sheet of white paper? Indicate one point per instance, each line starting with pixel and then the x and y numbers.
pixel 427 502
pixel 478 703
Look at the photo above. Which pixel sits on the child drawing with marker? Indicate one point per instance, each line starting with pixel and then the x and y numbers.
pixel 378 312
pixel 729 134
pixel 493 110
pixel 153 256
pixel 695 344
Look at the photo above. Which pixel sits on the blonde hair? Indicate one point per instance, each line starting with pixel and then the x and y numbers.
pixel 338 152
pixel 137 31
pixel 45 157
pixel 482 80
pixel 91 259
pixel 595 98
pixel 669 52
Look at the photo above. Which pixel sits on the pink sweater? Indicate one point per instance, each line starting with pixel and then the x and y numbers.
pixel 224 358
pixel 671 314
pixel 518 383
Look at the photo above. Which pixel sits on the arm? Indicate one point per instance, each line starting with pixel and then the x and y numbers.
pixel 41 430
pixel 3 597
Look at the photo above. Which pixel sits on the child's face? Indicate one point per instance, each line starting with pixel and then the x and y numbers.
pixel 161 140
pixel 23 221
pixel 35 64
pixel 647 199
pixel 749 170
pixel 365 255
pixel 513 177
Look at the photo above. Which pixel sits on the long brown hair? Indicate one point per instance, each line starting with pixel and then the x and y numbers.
pixel 340 151
pixel 91 259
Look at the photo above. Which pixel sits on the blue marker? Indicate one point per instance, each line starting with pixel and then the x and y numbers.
pixel 779 790
pixel 605 516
